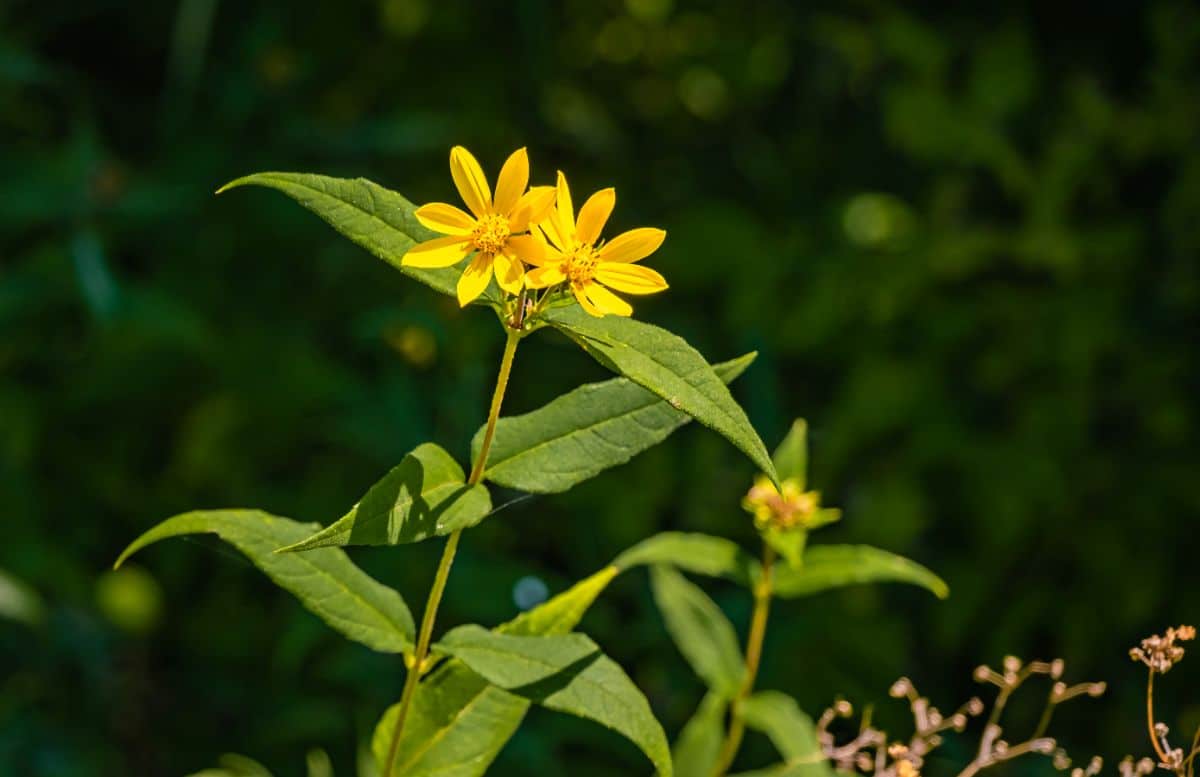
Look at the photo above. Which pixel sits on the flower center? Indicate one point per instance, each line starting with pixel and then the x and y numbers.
pixel 581 264
pixel 490 233
pixel 785 510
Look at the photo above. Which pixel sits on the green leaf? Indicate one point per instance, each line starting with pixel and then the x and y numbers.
pixel 796 769
pixel 325 581
pixel 779 717
pixel 19 602
pixel 665 364
pixel 566 673
pixel 234 765
pixel 318 763
pixel 423 496
pixel 584 432
pixel 788 543
pixel 700 630
pixel 791 457
pixel 702 554
pixel 510 660
pixel 835 566
pixel 378 219
pixel 699 744
pixel 458 721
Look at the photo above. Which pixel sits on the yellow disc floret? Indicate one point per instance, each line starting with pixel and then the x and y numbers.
pixel 580 265
pixel 490 233
pixel 781 510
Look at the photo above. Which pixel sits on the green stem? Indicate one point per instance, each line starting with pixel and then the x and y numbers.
pixel 443 571
pixel 754 645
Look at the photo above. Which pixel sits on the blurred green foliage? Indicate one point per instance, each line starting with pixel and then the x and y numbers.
pixel 965 241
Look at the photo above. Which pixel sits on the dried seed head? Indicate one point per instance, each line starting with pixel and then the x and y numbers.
pixel 1160 652
pixel 900 688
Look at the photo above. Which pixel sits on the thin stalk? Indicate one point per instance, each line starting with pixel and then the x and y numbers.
pixel 754 645
pixel 1162 757
pixel 443 571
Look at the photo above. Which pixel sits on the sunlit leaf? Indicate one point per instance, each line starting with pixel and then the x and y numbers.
pixel 699 744
pixel 702 554
pixel 835 566
pixel 584 432
pixel 665 364
pixel 423 496
pixel 791 731
pixel 324 580
pixel 791 457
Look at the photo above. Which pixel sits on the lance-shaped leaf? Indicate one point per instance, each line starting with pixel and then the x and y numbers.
pixel 699 744
pixel 665 364
pixel 791 457
pixel 423 496
pixel 378 219
pixel 567 673
pixel 791 731
pixel 325 581
pixel 702 554
pixel 584 432
pixel 835 566
pixel 700 630
pixel 458 721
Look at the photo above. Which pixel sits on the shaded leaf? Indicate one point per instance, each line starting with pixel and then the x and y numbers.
pixel 702 554
pixel 835 566
pixel 566 673
pixel 423 496
pixel 665 364
pixel 378 219
pixel 788 543
pixel 699 744
pixel 325 581
pixel 19 602
pixel 584 432
pixel 700 630
pixel 779 717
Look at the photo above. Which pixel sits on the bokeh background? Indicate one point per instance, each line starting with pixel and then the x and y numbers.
pixel 965 241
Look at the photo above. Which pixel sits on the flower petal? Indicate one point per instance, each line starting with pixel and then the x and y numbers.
pixel 439 252
pixel 629 278
pixel 541 277
pixel 514 177
pixel 474 279
pixel 527 248
pixel 444 218
pixel 472 185
pixel 594 214
pixel 606 301
pixel 533 207
pixel 510 273
pixel 632 245
pixel 580 292
pixel 561 221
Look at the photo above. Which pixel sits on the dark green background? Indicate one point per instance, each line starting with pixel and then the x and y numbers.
pixel 965 241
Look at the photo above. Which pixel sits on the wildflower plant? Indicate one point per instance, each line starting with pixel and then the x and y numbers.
pixel 524 253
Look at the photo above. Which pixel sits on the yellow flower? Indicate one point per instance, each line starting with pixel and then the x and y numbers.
pixel 493 230
pixel 574 256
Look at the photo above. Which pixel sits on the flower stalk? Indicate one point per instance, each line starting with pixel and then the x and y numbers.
pixel 416 663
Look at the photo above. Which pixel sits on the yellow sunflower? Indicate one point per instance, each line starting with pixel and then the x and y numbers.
pixel 493 230
pixel 575 257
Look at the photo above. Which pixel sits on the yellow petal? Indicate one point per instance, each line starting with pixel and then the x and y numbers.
pixel 472 185
pixel 510 273
pixel 527 248
pixel 444 218
pixel 605 300
pixel 532 208
pixel 514 177
pixel 541 277
pixel 474 279
pixel 632 245
pixel 580 292
pixel 439 252
pixel 630 278
pixel 562 219
pixel 594 214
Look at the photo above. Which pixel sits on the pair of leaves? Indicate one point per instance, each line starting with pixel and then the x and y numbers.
pixel 462 714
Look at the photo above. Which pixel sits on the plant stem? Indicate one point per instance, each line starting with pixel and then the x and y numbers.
pixel 754 645
pixel 443 570
pixel 1162 757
